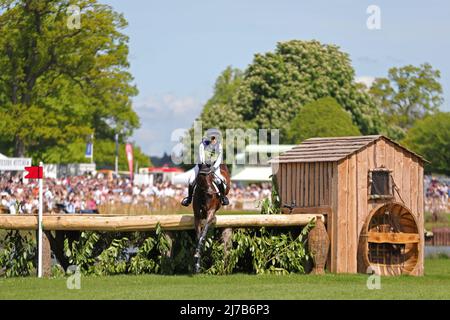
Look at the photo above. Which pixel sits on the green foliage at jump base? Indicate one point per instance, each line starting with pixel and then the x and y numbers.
pixel 253 251
pixel 17 254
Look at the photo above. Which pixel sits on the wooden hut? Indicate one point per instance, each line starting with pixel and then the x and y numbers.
pixel 372 191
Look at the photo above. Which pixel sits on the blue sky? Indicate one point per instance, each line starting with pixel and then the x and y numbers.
pixel 178 48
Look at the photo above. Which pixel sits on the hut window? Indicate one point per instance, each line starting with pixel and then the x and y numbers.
pixel 380 185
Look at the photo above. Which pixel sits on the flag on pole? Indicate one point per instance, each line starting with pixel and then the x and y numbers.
pixel 37 172
pixel 116 159
pixel 129 152
pixel 90 148
pixel 34 172
pixel 88 153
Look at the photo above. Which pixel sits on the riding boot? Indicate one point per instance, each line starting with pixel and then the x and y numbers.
pixel 223 198
pixel 187 201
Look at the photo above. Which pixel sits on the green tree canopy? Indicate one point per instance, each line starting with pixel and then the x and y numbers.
pixel 104 154
pixel 58 84
pixel 321 118
pixel 277 83
pixel 219 111
pixel 407 94
pixel 430 137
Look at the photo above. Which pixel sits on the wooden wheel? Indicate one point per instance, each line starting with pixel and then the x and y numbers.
pixel 390 241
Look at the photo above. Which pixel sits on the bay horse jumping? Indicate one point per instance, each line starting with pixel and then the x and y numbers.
pixel 206 202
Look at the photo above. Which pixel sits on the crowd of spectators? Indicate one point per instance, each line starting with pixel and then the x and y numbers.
pixel 437 192
pixel 84 194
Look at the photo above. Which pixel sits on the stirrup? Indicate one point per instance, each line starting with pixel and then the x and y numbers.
pixel 186 201
pixel 224 200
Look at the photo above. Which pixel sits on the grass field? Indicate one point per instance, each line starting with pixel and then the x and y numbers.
pixel 434 285
pixel 444 221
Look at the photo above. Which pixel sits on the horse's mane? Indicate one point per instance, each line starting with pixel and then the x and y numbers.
pixel 205 183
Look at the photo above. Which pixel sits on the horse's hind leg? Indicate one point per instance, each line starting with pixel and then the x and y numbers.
pixel 197 227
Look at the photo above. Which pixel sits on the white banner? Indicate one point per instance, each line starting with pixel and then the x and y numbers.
pixel 14 164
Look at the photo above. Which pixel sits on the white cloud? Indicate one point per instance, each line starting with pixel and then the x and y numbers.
pixel 160 116
pixel 367 80
pixel 180 106
pixel 169 103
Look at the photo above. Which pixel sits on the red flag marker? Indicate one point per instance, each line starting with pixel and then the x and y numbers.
pixel 34 172
pixel 129 152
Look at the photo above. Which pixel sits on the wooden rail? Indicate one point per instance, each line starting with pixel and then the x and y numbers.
pixel 392 237
pixel 148 222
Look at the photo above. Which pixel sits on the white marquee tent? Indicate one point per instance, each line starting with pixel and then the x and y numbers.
pixel 253 174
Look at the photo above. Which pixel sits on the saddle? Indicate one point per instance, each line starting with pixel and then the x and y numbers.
pixel 206 169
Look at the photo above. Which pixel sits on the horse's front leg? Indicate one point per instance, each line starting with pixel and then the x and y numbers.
pixel 209 220
pixel 197 227
pixel 198 251
pixel 198 233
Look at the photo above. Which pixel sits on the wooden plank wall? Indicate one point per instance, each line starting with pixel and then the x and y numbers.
pixel 351 204
pixel 420 218
pixel 341 225
pixel 345 219
pixel 332 220
pixel 308 184
pixel 311 185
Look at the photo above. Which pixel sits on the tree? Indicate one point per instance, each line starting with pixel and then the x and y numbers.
pixel 407 94
pixel 277 83
pixel 218 111
pixel 430 137
pixel 104 154
pixel 58 83
pixel 321 118
pixel 225 87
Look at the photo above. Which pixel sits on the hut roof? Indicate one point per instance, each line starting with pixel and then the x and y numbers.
pixel 331 149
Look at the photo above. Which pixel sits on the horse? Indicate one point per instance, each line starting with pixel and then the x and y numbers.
pixel 206 202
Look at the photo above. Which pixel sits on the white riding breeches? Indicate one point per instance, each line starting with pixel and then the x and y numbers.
pixel 195 173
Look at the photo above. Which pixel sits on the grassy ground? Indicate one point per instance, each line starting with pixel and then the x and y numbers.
pixel 443 221
pixel 434 285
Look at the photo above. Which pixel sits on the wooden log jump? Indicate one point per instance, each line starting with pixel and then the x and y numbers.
pixel 84 222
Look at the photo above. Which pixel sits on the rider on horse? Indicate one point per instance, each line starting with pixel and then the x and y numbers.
pixel 210 153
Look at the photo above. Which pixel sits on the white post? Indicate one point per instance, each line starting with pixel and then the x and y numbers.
pixel 92 150
pixel 116 162
pixel 40 223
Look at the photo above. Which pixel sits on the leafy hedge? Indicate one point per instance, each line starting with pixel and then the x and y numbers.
pixel 17 254
pixel 105 253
